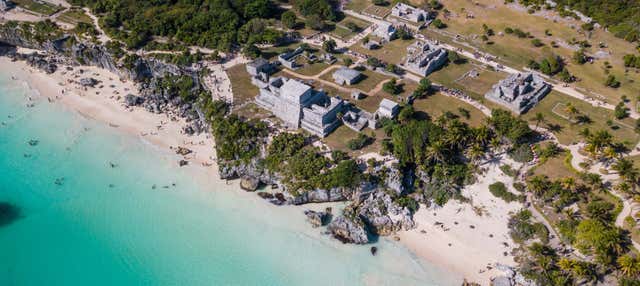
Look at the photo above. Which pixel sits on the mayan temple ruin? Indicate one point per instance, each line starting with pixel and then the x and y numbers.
pixel 519 92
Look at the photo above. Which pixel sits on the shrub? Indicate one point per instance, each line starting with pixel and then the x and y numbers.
pixel 439 24
pixel 499 190
pixel 612 82
pixel 359 142
pixel 521 153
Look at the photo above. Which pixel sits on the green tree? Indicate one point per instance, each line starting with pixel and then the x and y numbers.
pixel 611 81
pixel 252 51
pixel 289 19
pixel 391 87
pixel 329 46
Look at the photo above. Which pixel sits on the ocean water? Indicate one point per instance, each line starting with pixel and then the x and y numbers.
pixel 84 222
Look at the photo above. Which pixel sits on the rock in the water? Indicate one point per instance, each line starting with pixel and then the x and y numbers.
pixel 317 219
pixel 374 250
pixel 8 213
pixel 265 195
pixel 249 184
pixel 349 230
pixel 183 163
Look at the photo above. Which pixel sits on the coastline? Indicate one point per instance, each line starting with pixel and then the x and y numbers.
pixel 468 238
pixel 467 255
pixel 101 104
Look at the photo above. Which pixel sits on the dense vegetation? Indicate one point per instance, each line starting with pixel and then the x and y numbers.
pixel 621 17
pixel 304 168
pixel 220 24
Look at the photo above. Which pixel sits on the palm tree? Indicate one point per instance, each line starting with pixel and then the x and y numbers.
pixel 571 214
pixel 628 265
pixel 538 185
pixel 572 110
pixel 476 152
pixel 565 264
pixel 593 180
pixel 624 188
pixel 568 183
pixel 627 171
pixel 610 153
pixel 436 152
pixel 597 141
pixel 539 119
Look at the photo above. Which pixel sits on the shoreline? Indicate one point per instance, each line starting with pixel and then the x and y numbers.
pixel 468 238
pixel 165 134
pixel 102 104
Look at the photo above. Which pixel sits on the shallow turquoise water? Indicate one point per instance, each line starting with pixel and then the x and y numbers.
pixel 108 226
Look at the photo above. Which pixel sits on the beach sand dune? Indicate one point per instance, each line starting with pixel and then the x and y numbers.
pixel 457 237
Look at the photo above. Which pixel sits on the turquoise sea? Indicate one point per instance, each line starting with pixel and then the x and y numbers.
pixel 85 222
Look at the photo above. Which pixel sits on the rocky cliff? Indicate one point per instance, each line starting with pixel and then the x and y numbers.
pixel 60 49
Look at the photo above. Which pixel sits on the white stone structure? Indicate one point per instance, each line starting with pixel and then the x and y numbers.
pixel 519 92
pixel 258 66
pixel 5 5
pixel 424 57
pixel 409 13
pixel 388 108
pixel 321 117
pixel 288 59
pixel 385 30
pixel 298 105
pixel 346 76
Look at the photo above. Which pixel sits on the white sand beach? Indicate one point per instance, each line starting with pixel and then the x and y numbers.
pixel 106 105
pixel 460 239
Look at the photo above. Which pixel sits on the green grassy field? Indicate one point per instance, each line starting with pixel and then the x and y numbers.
pixel 243 90
pixel 343 32
pixel 567 132
pixel 555 168
pixel 372 101
pixel 437 104
pixel 391 52
pixel 368 82
pixel 74 16
pixel 357 5
pixel 339 139
pixel 452 75
pixel 43 8
pixel 516 52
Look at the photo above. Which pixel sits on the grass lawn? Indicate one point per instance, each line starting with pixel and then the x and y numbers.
pixel 343 32
pixel 75 16
pixel 243 90
pixel 372 101
pixel 368 82
pixel 272 53
pixel 452 75
pixel 357 5
pixel 339 138
pixel 516 52
pixel 437 104
pixel 391 52
pixel 378 11
pixel 311 69
pixel 555 168
pixel 252 110
pixel 39 7
pixel 567 132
